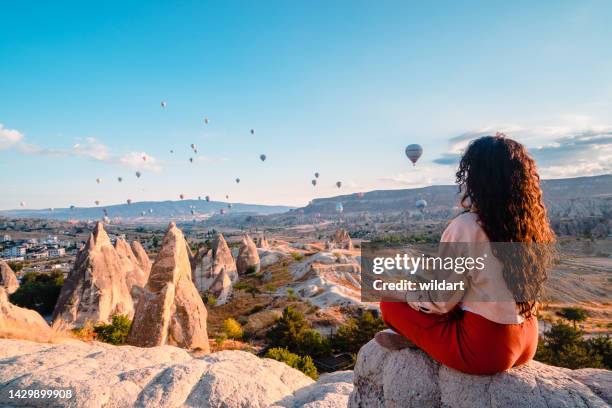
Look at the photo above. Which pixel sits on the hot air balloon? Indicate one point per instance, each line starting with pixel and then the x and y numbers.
pixel 229 205
pixel 421 204
pixel 150 211
pixel 413 152
pixel 163 104
pixel 106 219
pixel 338 184
pixel 120 179
pixel 129 201
pixel 193 146
pixel 199 198
pixel 22 204
pixel 195 151
pixel 206 120
pixel 138 174
pixel 72 207
pixel 181 196
pixel 339 208
pixel 144 158
pixel 191 160
pixel 192 212
pixel 262 157
pixel 171 151
pixel 98 180
pixel 252 131
pixel 142 213
pixel 222 211
pixel 314 182
pixel 97 202
pixel 237 180
pixel 207 198
pixel 227 197
pixel 317 175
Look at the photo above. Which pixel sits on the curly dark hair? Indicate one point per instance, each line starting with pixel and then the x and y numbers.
pixel 500 183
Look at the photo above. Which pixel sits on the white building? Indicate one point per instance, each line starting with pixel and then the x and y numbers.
pixel 56 252
pixel 14 252
pixel 6 238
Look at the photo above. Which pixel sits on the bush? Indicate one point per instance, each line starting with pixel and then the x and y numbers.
pixel 209 300
pixel 39 291
pixel 114 333
pixel 357 332
pixel 304 364
pixel 232 328
pixel 251 270
pixel 297 256
pixel 293 332
pixel 563 345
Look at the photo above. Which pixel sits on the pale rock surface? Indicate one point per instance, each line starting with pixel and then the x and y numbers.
pixel 221 288
pixel 262 242
pixel 410 378
pixel 8 280
pixel 170 309
pixel 96 288
pixel 102 375
pixel 327 279
pixel 17 320
pixel 248 257
pixel 207 265
pixel 340 240
pixel 137 268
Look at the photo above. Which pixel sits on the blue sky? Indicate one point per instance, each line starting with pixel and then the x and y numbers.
pixel 338 87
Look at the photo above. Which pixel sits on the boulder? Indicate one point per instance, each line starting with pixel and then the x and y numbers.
pixel 137 268
pixel 170 309
pixel 410 378
pixel 248 257
pixel 8 280
pixel 20 322
pixel 207 265
pixel 221 288
pixel 340 240
pixel 102 375
pixel 96 288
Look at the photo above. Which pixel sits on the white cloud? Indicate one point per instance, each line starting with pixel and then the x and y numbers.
pixel 9 137
pixel 89 148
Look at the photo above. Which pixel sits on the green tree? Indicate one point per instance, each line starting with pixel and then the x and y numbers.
pixel 351 336
pixel 563 345
pixel 114 333
pixel 573 314
pixel 39 291
pixel 304 364
pixel 293 332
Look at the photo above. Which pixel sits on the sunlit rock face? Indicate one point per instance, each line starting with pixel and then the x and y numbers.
pixel 96 288
pixel 170 309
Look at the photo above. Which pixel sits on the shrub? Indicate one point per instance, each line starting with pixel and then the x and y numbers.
pixel 351 336
pixel 563 345
pixel 293 332
pixel 232 328
pixel 114 333
pixel 270 287
pixel 39 291
pixel 297 256
pixel 209 300
pixel 291 294
pixel 251 270
pixel 256 308
pixel 304 364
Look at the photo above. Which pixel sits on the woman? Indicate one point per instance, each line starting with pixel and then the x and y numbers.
pixel 503 202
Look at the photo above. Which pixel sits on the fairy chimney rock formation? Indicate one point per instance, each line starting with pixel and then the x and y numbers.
pixel 221 288
pixel 136 267
pixel 248 257
pixel 262 242
pixel 96 288
pixel 8 280
pixel 208 264
pixel 340 240
pixel 170 309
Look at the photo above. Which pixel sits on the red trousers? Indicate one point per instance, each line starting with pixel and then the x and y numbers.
pixel 463 340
